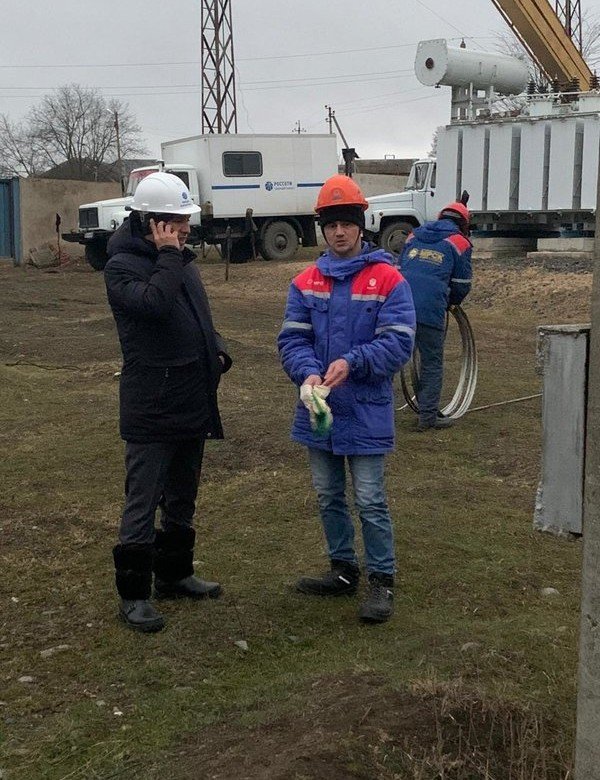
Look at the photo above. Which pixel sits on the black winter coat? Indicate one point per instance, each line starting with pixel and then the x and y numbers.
pixel 171 364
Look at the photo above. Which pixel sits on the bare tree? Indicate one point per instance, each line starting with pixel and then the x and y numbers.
pixel 434 141
pixel 590 33
pixel 73 124
pixel 507 43
pixel 18 149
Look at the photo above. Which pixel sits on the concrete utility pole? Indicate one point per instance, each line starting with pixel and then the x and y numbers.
pixel 587 749
pixel 329 118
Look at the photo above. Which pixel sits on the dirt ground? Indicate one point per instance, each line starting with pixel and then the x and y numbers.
pixel 355 729
pixel 70 325
pixel 473 678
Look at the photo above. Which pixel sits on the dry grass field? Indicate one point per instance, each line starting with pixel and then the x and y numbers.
pixel 473 678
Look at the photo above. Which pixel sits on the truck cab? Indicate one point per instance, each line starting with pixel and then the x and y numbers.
pixel 98 221
pixel 390 218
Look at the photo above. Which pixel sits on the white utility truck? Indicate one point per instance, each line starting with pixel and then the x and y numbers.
pixel 529 164
pixel 255 192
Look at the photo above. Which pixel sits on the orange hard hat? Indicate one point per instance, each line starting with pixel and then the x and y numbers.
pixel 458 209
pixel 340 190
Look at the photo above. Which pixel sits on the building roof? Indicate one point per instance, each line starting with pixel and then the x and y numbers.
pixel 89 170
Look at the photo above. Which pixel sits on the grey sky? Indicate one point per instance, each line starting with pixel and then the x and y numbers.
pixel 292 58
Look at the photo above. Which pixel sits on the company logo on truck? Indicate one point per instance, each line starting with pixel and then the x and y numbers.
pixel 279 185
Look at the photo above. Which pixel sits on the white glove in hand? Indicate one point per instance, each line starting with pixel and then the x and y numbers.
pixel 313 397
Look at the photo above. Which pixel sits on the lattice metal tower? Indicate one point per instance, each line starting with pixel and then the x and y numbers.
pixel 219 114
pixel 569 13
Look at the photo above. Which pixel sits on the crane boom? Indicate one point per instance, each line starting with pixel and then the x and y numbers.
pixel 540 31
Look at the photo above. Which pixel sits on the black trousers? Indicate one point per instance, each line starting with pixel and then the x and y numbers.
pixel 160 474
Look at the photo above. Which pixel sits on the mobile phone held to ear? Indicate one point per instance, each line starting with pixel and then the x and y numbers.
pixel 146 229
pixel 140 223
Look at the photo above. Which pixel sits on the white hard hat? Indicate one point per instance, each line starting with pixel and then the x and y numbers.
pixel 163 193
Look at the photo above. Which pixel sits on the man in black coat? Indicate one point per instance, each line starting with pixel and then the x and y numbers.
pixel 172 362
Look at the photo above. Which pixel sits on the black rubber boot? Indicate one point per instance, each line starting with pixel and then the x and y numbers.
pixel 342 580
pixel 174 567
pixel 133 575
pixel 379 604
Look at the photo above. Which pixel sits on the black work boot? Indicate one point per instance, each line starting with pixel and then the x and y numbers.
pixel 174 567
pixel 437 423
pixel 379 604
pixel 342 580
pixel 133 575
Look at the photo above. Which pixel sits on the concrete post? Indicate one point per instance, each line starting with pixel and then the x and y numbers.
pixel 587 748
pixel 562 359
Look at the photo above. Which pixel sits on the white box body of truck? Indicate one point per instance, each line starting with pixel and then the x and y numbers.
pixel 274 175
pixel 257 193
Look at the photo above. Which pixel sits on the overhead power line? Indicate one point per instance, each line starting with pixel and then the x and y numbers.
pixel 310 54
pixel 249 86
pixel 446 21
pixel 339 76
pixel 326 83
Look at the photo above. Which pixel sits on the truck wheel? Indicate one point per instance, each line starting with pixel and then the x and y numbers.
pixel 394 235
pixel 95 254
pixel 279 241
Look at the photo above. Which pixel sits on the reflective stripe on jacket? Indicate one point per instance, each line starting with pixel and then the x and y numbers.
pixel 359 309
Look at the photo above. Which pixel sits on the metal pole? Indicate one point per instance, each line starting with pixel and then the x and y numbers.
pixel 227 251
pixel 587 745
pixel 57 223
pixel 218 82
pixel 219 113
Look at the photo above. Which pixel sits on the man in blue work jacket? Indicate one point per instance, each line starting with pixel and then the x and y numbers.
pixel 348 328
pixel 436 262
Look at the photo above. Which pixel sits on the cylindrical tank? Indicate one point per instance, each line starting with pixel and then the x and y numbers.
pixel 438 63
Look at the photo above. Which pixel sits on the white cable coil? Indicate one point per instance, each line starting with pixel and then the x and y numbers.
pixel 467 381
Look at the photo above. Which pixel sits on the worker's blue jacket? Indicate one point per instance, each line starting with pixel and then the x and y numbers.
pixel 436 262
pixel 359 309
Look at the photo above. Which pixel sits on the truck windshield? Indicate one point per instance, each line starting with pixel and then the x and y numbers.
pixel 135 178
pixel 417 179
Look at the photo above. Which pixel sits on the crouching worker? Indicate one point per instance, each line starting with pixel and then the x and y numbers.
pixel 436 262
pixel 172 362
pixel 348 328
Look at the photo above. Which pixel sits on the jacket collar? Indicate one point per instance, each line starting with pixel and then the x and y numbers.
pixel 339 268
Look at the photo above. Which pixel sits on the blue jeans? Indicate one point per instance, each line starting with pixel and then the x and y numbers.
pixel 430 343
pixel 329 479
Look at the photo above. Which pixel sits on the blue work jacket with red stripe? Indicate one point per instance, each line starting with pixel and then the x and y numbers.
pixel 359 309
pixel 436 262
